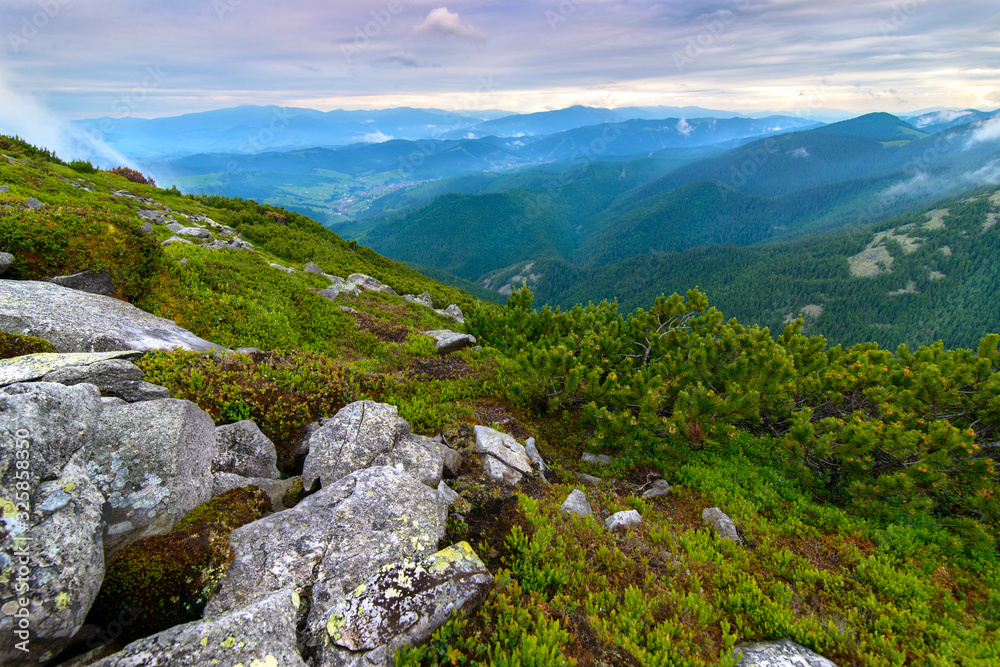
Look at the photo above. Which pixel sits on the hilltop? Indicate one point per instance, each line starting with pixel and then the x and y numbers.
pixel 689 485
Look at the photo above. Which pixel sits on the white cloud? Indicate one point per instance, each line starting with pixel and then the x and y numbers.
pixel 378 137
pixel 800 152
pixel 946 116
pixel 22 115
pixel 685 127
pixel 987 130
pixel 988 175
pixel 441 22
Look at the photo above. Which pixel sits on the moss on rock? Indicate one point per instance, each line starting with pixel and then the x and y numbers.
pixel 16 345
pixel 166 580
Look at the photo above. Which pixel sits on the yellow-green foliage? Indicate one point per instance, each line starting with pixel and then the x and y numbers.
pixel 672 593
pixel 164 580
pixel 16 345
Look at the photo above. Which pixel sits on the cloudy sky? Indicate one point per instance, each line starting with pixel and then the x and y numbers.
pixel 88 58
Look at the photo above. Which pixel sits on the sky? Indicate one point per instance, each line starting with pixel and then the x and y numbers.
pixel 142 58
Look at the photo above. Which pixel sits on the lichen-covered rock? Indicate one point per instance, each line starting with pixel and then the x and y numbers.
pixel 165 580
pixel 79 322
pixel 536 459
pixel 245 451
pixel 421 300
pixel 51 553
pixel 93 282
pixel 721 523
pixel 313 268
pixel 333 540
pixel 361 281
pixel 262 634
pixel 448 341
pixel 367 434
pixel 504 459
pixel 152 461
pixel 777 653
pixel 576 503
pixel 276 489
pixel 622 520
pixel 6 260
pixel 116 378
pixel 452 312
pixel 402 605
pixel 599 459
pixel 35 366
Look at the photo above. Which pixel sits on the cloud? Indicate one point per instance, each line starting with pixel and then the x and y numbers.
pixel 685 127
pixel 22 115
pixel 987 130
pixel 444 23
pixel 378 137
pixel 800 152
pixel 945 116
pixel 987 175
pixel 401 59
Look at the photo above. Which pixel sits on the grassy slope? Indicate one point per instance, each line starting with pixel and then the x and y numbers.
pixel 567 592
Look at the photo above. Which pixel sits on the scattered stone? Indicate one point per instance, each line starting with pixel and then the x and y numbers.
pixel 34 204
pixel 447 494
pixel 262 634
pixel 366 434
pixel 6 259
pixel 36 366
pixel 778 653
pixel 113 377
pixel 313 268
pixel 536 458
pixel 146 229
pixel 361 281
pixel 657 489
pixel 61 524
pixel 588 480
pixel 722 524
pixel 453 312
pixel 235 244
pixel 79 322
pixel 422 300
pixel 196 232
pixel 448 341
pixel 503 458
pixel 152 461
pixel 451 458
pixel 599 459
pixel 576 503
pixel 153 215
pixel 245 451
pixel 286 269
pixel 403 604
pixel 93 282
pixel 622 520
pixel 176 239
pixel 4 189
pixel 112 401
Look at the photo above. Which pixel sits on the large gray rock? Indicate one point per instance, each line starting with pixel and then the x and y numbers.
pixel 576 503
pixel 622 520
pixel 34 205
pixel 36 366
pixel 721 523
pixel 361 281
pixel 92 282
pixel 452 312
pixel 402 605
pixel 657 489
pixel 421 300
pixel 153 463
pixel 448 341
pixel 366 434
pixel 779 653
pixel 196 232
pixel 51 553
pixel 79 322
pixel 6 259
pixel 599 459
pixel 503 458
pixel 262 634
pixel 116 378
pixel 333 541
pixel 244 450
pixel 274 488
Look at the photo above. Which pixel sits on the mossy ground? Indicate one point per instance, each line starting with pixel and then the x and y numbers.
pixel 16 345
